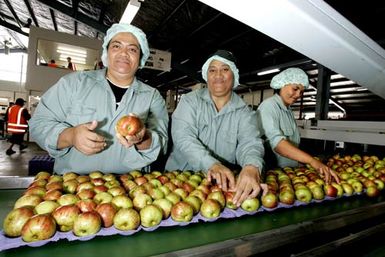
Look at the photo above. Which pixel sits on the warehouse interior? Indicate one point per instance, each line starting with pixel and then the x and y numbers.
pixel 343 111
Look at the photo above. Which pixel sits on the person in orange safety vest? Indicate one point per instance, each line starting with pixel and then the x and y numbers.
pixel 17 125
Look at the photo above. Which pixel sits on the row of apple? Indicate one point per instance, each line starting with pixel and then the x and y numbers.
pixel 85 203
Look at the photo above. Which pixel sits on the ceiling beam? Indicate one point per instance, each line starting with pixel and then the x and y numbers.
pixel 16 18
pixel 12 27
pixel 31 12
pixel 79 17
pixel 53 19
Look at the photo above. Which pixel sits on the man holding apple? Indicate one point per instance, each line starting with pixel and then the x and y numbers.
pixel 214 130
pixel 76 118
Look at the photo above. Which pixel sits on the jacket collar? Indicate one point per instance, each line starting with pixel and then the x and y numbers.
pixel 235 101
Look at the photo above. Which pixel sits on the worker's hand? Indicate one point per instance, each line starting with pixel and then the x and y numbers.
pixel 86 140
pixel 248 185
pixel 223 177
pixel 129 141
pixel 327 173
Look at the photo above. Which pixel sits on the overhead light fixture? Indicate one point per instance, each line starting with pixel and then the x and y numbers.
pixel 342 83
pixel 27 26
pixel 267 72
pixel 131 11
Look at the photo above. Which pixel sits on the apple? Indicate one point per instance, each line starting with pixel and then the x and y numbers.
pixel 103 197
pixel 95 174
pixel 107 212
pixel 55 178
pixel 210 208
pixel 27 200
pixel 170 186
pixel 218 195
pixel 100 188
pixel 135 173
pixel 42 175
pixel 196 178
pixel 170 175
pixel 39 182
pixel 122 201
pixel 177 182
pixel 126 219
pixel 52 195
pixel 117 190
pixel 46 207
pixel 287 197
pixel 87 223
pixel 148 186
pixel 165 205
pixel 125 177
pixel 36 190
pixel 67 199
pixel 229 200
pixel 85 185
pixel 163 179
pixel 188 187
pixel 269 200
pixel 204 188
pixel 195 202
pixel 58 185
pixel 379 183
pixel 129 185
pixel 348 189
pixel 330 190
pixel 83 178
pixel 86 194
pixel 69 176
pixel 69 186
pixel 149 176
pixel 165 190
pixel 141 200
pixel 112 183
pixel 15 220
pixel 156 193
pixel 137 190
pixel 38 227
pixel 340 190
pixel 109 177
pixel 181 192
pixel 129 125
pixel 98 181
pixel 156 173
pixel 215 188
pixel 151 215
pixel 155 182
pixel 140 180
pixel 250 204
pixel 198 193
pixel 173 197
pixel 372 191
pixel 182 212
pixel 65 216
pixel 86 205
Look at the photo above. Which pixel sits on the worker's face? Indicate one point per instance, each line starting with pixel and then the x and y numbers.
pixel 123 54
pixel 220 79
pixel 291 93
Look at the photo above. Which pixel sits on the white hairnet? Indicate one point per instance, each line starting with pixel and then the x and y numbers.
pixel 290 76
pixel 231 64
pixel 138 33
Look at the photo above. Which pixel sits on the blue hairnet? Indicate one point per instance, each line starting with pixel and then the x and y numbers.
pixel 138 33
pixel 290 76
pixel 231 64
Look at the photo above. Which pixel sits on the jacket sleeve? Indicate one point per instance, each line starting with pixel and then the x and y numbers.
pixel 184 132
pixel 48 119
pixel 250 150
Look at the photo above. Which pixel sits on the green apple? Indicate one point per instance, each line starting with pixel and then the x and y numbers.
pixel 195 202
pixel 103 197
pixel 218 195
pixel 87 223
pixel 348 189
pixel 150 215
pixel 27 200
pixel 317 192
pixel 126 219
pixel 303 194
pixel 269 200
pixel 141 200
pixel 250 204
pixel 46 207
pixel 287 197
pixel 165 205
pixel 122 201
pixel 210 208
pixel 15 220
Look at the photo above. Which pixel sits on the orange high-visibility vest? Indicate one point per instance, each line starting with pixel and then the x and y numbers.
pixel 16 122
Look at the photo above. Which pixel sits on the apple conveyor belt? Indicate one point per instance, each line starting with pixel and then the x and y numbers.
pixel 321 229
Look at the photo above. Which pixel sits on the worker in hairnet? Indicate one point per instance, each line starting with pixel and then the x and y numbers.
pixel 214 131
pixel 277 124
pixel 75 119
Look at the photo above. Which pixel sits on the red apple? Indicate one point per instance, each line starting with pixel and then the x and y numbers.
pixel 58 185
pixel 107 212
pixel 140 180
pixel 87 223
pixel 39 182
pixel 52 195
pixel 36 190
pixel 229 200
pixel 163 179
pixel 330 190
pixel 372 191
pixel 86 194
pixel 86 205
pixel 218 195
pixel 38 227
pixel 15 220
pixel 100 188
pixel 65 216
pixel 98 181
pixel 151 215
pixel 182 212
pixel 129 125
pixel 270 200
pixel 127 219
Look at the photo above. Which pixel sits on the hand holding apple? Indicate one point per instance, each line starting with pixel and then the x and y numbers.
pixel 223 177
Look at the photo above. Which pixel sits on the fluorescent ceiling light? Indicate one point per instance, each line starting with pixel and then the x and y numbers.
pixel 267 72
pixel 68 53
pixel 337 76
pixel 342 83
pixel 74 59
pixel 73 50
pixel 130 12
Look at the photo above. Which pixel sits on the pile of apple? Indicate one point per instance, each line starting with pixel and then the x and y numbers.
pixel 84 204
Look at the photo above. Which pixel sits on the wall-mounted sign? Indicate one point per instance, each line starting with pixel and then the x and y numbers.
pixel 159 60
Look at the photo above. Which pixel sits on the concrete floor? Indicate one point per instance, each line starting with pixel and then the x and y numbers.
pixel 17 163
